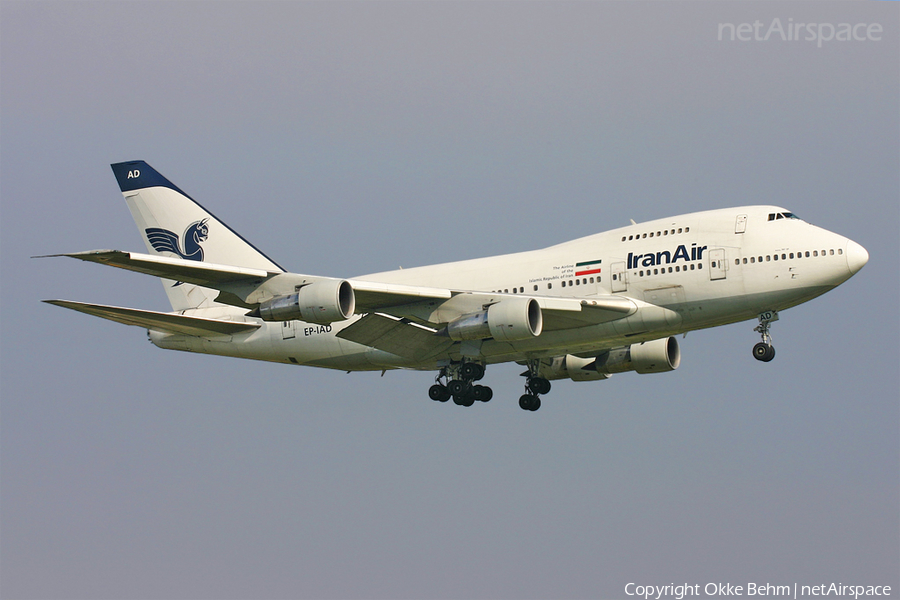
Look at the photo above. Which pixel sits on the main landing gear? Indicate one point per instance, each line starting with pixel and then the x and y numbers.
pixel 764 350
pixel 460 385
pixel 457 381
pixel 535 385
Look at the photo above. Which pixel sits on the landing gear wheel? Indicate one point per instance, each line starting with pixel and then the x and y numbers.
pixel 465 399
pixel 538 385
pixel 482 393
pixel 763 352
pixel 456 387
pixel 529 402
pixel 471 371
pixel 438 393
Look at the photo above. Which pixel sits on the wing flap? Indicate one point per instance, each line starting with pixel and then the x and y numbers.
pixel 157 321
pixel 396 336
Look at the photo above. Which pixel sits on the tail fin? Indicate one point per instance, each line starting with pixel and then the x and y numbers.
pixel 173 224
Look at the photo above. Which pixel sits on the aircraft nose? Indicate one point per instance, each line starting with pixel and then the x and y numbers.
pixel 857 257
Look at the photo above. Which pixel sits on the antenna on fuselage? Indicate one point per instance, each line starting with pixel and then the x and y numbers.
pixel 632 221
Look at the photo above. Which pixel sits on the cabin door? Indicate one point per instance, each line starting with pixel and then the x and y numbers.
pixel 618 277
pixel 717 266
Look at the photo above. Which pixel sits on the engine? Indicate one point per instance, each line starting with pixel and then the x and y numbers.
pixel 323 302
pixel 657 356
pixel 509 320
pixel 571 367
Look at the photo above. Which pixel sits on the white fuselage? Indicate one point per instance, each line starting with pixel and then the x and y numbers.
pixel 708 268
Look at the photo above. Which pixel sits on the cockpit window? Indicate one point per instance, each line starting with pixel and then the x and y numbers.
pixel 782 215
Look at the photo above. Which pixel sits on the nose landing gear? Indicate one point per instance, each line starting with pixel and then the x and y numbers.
pixel 764 350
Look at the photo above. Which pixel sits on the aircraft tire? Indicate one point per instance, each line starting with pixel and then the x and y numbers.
pixel 438 393
pixel 471 371
pixel 456 387
pixel 763 352
pixel 539 385
pixel 482 393
pixel 527 401
pixel 464 399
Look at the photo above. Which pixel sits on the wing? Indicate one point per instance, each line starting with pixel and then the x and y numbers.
pixel 157 321
pixel 434 307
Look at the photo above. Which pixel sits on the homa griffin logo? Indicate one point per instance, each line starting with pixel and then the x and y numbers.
pixel 164 240
pixel 665 257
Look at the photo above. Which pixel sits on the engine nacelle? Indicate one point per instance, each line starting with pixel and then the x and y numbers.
pixel 322 302
pixel 571 367
pixel 509 320
pixel 657 356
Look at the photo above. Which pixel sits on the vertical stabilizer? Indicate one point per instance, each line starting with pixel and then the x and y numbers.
pixel 173 224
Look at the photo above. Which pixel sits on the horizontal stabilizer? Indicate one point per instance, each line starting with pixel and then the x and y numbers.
pixel 157 321
pixel 177 269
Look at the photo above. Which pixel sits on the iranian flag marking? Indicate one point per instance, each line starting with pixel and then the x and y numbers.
pixel 587 268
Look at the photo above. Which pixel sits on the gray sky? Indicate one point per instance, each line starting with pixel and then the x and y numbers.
pixel 346 138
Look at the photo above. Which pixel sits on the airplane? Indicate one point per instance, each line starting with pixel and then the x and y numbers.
pixel 584 309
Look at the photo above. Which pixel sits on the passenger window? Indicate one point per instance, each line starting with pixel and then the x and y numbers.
pixel 577 282
pixel 687 229
pixel 549 286
pixel 831 252
pixel 815 252
pixel 792 255
pixel 807 254
pixel 776 257
pixel 535 288
pixel 737 261
pixel 679 230
pixel 564 283
pixel 840 251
